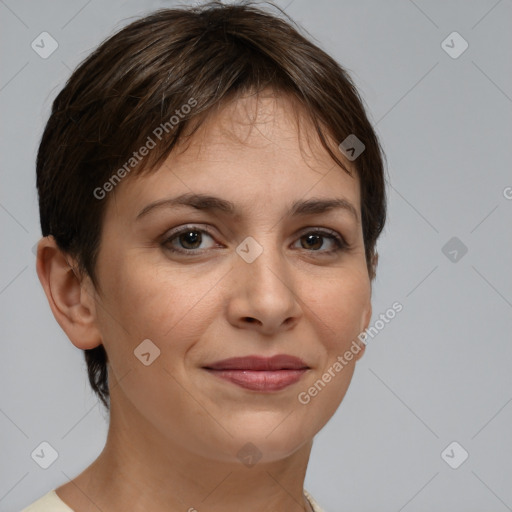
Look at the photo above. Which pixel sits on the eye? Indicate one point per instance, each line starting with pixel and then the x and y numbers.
pixel 314 241
pixel 187 240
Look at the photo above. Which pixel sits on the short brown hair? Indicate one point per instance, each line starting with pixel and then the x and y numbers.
pixel 138 78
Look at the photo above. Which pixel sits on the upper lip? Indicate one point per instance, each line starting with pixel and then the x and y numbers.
pixel 278 362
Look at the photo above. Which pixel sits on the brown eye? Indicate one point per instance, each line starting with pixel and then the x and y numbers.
pixel 187 240
pixel 314 241
pixel 190 239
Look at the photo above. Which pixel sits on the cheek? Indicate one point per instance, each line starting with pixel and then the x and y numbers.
pixel 340 306
pixel 168 306
pixel 327 392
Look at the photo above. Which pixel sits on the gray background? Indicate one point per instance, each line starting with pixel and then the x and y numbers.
pixel 438 372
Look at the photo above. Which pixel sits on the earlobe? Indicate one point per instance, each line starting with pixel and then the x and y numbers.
pixel 366 323
pixel 72 306
pixel 374 263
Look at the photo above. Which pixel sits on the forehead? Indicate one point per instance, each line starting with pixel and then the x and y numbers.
pixel 263 124
pixel 254 147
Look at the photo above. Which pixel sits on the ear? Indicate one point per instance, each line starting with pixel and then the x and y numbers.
pixel 374 263
pixel 366 322
pixel 71 299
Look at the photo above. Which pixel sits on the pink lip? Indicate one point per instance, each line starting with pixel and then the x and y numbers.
pixel 260 380
pixel 278 362
pixel 260 373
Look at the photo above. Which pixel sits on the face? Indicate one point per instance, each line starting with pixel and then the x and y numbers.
pixel 205 284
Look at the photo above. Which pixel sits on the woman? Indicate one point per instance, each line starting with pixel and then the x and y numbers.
pixel 211 193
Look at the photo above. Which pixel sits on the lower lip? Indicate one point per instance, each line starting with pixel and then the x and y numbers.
pixel 260 380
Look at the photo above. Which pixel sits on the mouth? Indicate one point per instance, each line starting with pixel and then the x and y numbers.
pixel 260 373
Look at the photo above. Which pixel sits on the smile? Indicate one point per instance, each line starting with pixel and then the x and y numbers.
pixel 260 380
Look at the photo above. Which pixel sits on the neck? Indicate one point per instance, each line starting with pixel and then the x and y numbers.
pixel 152 471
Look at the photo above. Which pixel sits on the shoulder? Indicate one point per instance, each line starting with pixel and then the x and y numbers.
pixel 50 502
pixel 314 504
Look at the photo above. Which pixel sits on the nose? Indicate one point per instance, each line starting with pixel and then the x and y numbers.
pixel 263 293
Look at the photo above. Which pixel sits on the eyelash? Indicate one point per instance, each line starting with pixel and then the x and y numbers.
pixel 339 241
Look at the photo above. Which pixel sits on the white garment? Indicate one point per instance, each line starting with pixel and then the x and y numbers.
pixel 51 502
pixel 314 504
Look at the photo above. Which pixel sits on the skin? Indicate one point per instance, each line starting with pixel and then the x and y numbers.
pixel 175 430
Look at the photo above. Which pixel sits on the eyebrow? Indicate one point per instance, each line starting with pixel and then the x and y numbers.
pixel 212 204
